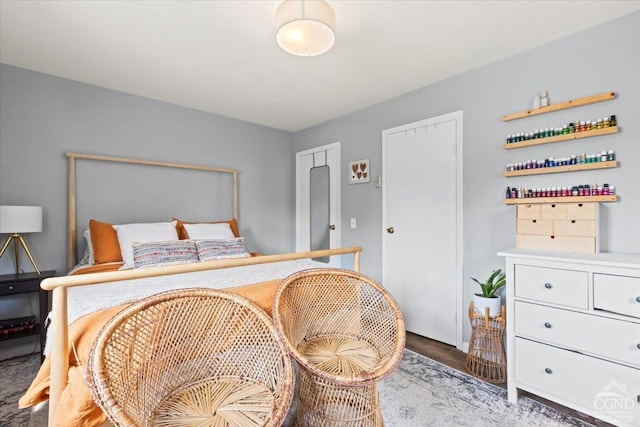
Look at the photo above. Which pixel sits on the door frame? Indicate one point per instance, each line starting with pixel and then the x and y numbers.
pixel 458 117
pixel 335 210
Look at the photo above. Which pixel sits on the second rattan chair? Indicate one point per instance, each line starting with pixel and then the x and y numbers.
pixel 346 332
pixel 194 357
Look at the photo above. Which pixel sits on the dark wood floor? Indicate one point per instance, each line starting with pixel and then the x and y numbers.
pixel 454 358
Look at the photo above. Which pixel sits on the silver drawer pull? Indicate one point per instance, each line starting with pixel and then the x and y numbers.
pixel 547 325
pixel 11 288
pixel 638 345
pixel 637 299
pixel 548 285
pixel 548 371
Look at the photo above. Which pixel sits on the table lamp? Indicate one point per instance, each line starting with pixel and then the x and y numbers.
pixel 16 220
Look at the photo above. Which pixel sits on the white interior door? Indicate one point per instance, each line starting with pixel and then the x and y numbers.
pixel 318 200
pixel 421 243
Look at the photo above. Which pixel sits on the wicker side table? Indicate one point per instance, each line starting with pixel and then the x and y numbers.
pixel 486 358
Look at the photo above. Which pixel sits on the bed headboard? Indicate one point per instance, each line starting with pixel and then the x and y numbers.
pixel 72 240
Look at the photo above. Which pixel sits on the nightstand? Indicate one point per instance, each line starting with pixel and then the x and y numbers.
pixel 12 284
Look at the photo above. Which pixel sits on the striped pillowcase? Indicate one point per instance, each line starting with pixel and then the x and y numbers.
pixel 157 254
pixel 209 250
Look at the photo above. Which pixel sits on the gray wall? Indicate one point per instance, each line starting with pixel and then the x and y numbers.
pixel 598 60
pixel 42 117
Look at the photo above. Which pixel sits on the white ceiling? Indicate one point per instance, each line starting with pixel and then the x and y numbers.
pixel 221 56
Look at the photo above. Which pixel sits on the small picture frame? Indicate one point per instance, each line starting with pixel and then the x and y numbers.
pixel 359 171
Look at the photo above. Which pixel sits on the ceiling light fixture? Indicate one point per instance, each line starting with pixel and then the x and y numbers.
pixel 305 27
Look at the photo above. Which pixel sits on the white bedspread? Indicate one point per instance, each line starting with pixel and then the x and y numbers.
pixel 83 300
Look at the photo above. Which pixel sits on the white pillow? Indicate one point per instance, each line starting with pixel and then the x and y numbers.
pixel 128 234
pixel 204 231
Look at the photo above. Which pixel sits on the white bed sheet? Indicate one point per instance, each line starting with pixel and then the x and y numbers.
pixel 84 300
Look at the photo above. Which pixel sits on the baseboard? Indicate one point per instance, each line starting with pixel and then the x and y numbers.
pixel 465 346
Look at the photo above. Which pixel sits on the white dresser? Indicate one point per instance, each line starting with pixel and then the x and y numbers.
pixel 573 331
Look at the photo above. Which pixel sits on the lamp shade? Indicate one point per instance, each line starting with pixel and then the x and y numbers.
pixel 20 219
pixel 305 27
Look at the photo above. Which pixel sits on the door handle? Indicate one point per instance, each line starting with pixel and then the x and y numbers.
pixel 390 230
pixel 332 227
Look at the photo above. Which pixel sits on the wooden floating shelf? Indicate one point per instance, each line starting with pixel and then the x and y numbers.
pixel 560 138
pixel 567 199
pixel 607 96
pixel 568 168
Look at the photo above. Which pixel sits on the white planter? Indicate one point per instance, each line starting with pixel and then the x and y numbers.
pixel 494 304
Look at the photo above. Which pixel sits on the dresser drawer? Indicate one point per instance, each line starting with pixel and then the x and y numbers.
pixel 574 244
pixel 528 211
pixel 607 390
pixel 19 287
pixel 574 227
pixel 553 285
pixel 553 211
pixel 617 294
pixel 534 226
pixel 582 210
pixel 578 331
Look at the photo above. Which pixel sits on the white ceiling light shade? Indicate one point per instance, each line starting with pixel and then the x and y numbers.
pixel 305 27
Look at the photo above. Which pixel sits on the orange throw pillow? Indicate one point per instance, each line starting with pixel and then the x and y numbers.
pixel 182 232
pixel 105 242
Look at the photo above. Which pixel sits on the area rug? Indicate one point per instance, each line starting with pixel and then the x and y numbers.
pixel 420 393
pixel 423 392
pixel 15 377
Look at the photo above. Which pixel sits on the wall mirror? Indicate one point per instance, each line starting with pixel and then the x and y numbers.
pixel 319 210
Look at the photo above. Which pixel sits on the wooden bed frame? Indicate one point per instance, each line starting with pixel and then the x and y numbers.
pixel 72 239
pixel 59 346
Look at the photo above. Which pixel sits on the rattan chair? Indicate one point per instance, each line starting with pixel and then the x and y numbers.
pixel 346 332
pixel 193 357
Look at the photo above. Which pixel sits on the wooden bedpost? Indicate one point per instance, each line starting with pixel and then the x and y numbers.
pixel 58 351
pixel 356 261
pixel 72 244
pixel 235 195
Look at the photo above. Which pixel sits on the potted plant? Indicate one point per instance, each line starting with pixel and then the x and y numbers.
pixel 488 297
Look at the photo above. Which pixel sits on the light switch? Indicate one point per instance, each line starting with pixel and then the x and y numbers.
pixel 353 223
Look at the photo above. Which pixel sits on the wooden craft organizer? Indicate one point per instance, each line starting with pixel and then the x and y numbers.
pixel 607 96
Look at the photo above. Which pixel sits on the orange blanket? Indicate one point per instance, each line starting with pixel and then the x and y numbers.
pixel 76 406
pixel 97 268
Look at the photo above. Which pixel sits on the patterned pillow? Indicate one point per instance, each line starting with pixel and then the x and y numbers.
pixel 128 234
pixel 209 250
pixel 156 254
